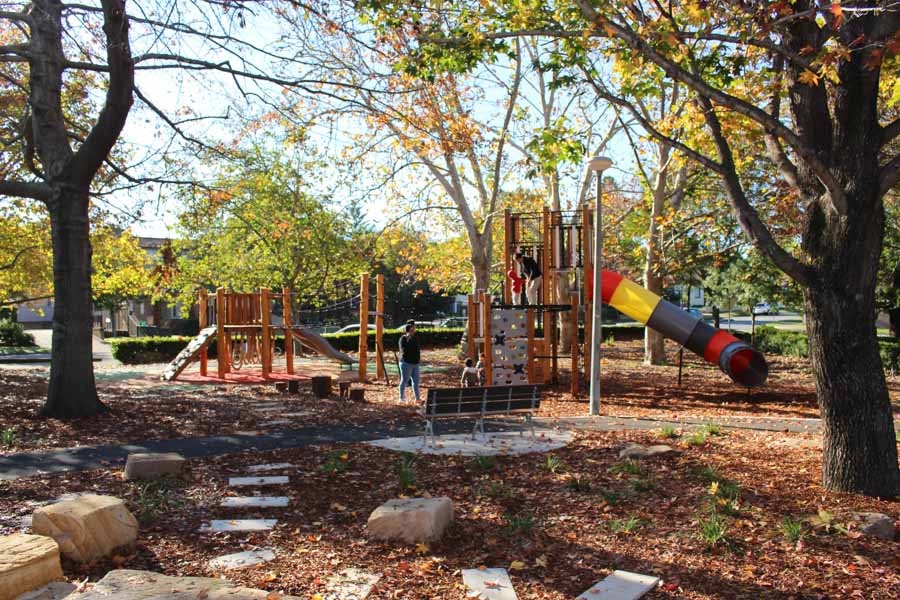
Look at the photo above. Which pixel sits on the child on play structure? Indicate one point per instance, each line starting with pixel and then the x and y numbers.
pixel 532 273
pixel 409 361
pixel 516 283
pixel 470 376
pixel 479 369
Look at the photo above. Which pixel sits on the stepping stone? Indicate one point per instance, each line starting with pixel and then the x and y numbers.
pixel 27 562
pixel 276 422
pixel 621 585
pixel 240 525
pixel 489 584
pixel 269 467
pixel 632 450
pixel 241 481
pixel 256 502
pixel 121 584
pixel 148 465
pixel 411 519
pixel 265 409
pixel 58 590
pixel 240 560
pixel 350 584
pixel 302 413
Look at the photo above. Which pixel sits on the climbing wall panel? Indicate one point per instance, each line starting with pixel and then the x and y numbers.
pixel 509 346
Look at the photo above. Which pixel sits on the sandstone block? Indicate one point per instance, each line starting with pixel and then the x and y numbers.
pixel 411 520
pixel 88 527
pixel 126 584
pixel 27 562
pixel 632 450
pixel 147 465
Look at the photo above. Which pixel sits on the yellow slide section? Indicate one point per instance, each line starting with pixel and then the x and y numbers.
pixel 634 301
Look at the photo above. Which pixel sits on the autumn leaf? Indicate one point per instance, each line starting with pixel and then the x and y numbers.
pixel 422 548
pixel 809 78
pixel 541 561
pixel 838 15
pixel 517 565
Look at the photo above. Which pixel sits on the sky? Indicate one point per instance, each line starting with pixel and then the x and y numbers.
pixel 185 94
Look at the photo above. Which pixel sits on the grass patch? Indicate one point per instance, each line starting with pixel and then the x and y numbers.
pixel 8 437
pixel 156 496
pixel 554 464
pixel 629 467
pixel 712 429
pixel 669 432
pixel 792 530
pixel 336 462
pixel 13 350
pixel 626 526
pixel 698 438
pixel 519 523
pixel 406 471
pixel 483 462
pixel 578 484
pixel 713 530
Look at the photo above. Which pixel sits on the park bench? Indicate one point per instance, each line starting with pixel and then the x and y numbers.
pixel 480 402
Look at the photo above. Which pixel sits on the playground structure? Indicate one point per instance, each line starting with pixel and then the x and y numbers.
pixel 559 241
pixel 245 327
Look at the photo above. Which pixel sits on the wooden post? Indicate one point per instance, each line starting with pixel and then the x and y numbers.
pixel 529 327
pixel 379 327
pixel 202 318
pixel 486 326
pixel 288 330
pixel 472 328
pixel 507 256
pixel 221 342
pixel 588 326
pixel 573 301
pixel 546 249
pixel 265 313
pixel 585 256
pixel 363 325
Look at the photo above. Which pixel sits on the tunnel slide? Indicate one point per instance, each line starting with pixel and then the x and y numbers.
pixel 744 364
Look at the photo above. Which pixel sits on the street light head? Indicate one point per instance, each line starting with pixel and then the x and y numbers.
pixel 599 163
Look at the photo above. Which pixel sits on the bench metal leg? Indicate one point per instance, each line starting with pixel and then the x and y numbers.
pixel 479 426
pixel 530 423
pixel 429 430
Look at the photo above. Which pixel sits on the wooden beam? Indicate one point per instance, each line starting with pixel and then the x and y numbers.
pixel 472 327
pixel 486 326
pixel 265 313
pixel 573 301
pixel 202 320
pixel 288 332
pixel 379 327
pixel 546 248
pixel 507 256
pixel 363 325
pixel 221 342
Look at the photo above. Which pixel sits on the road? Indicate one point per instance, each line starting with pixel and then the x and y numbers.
pixel 783 320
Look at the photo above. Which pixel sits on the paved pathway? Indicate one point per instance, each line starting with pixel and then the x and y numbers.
pixel 26 464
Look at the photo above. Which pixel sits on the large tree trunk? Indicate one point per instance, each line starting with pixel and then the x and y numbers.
pixel 72 392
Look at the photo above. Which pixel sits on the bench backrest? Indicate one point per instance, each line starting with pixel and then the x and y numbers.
pixel 482 400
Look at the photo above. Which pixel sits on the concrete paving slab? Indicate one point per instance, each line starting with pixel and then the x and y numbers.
pixel 252 481
pixel 255 502
pixel 240 560
pixel 621 585
pixel 239 525
pixel 350 584
pixel 488 584
pixel 270 467
pixel 506 442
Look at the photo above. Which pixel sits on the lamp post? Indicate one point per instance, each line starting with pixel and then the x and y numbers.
pixel 598 164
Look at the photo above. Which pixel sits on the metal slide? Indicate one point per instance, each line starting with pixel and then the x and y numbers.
pixel 737 359
pixel 320 345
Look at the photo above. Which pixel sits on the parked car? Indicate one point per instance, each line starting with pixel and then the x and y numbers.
pixel 454 322
pixel 764 308
pixel 353 328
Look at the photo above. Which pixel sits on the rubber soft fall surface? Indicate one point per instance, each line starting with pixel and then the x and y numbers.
pixel 744 364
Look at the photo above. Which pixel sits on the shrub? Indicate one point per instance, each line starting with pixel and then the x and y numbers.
pixel 519 523
pixel 795 343
pixel 14 334
pixel 156 496
pixel 698 438
pixel 483 462
pixel 578 484
pixel 406 471
pixel 554 464
pixel 792 530
pixel 631 467
pixel 498 490
pixel 711 429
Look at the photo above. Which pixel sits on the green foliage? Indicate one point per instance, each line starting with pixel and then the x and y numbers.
pixel 578 484
pixel 792 529
pixel 626 526
pixel 644 483
pixel 155 496
pixel 611 497
pixel 554 464
pixel 336 462
pixel 483 462
pixel 14 334
pixel 498 490
pixel 711 429
pixel 710 474
pixel 826 521
pixel 521 522
pixel 698 438
pixel 8 437
pixel 406 471
pixel 669 432
pixel 630 467
pixel 713 530
pixel 770 340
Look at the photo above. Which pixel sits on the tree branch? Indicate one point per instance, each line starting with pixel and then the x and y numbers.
pixel 119 96
pixel 16 258
pixel 889 175
pixel 21 189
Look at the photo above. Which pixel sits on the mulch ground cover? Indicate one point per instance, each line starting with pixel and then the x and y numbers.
pixel 144 408
pixel 559 524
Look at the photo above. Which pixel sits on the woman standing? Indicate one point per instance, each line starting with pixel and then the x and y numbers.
pixel 409 361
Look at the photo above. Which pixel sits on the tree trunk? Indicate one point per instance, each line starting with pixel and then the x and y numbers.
pixel 860 450
pixel 72 391
pixel 894 321
pixel 654 342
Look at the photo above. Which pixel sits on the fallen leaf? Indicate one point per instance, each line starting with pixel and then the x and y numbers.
pixel 517 565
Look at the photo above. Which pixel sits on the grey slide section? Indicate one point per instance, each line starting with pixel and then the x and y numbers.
pixel 320 345
pixel 672 322
pixel 700 337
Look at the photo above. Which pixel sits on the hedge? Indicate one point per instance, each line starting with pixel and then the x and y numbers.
pixel 141 350
pixel 14 334
pixel 768 340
